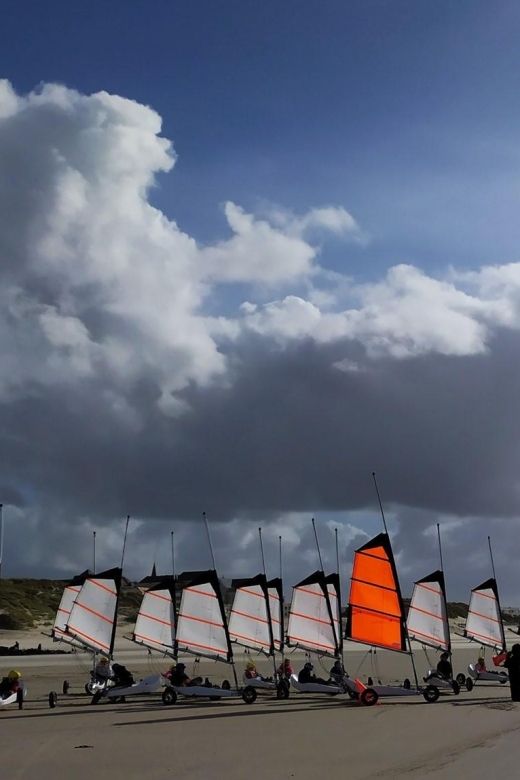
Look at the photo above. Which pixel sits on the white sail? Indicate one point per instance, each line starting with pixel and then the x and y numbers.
pixel 92 617
pixel 484 622
pixel 249 619
pixel 427 617
pixel 155 625
pixel 276 617
pixel 58 631
pixel 335 608
pixel 201 629
pixel 310 625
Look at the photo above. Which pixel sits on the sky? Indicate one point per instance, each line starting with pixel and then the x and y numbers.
pixel 250 254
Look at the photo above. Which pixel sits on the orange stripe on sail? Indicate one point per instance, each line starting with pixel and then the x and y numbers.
pixel 93 612
pixel 75 631
pixel 250 639
pixel 310 642
pixel 201 620
pixel 427 587
pixel 251 593
pixel 221 650
pixel 484 595
pixel 313 619
pixel 149 639
pixel 158 596
pixel 250 617
pixel 103 587
pixel 430 614
pixel 483 636
pixel 157 620
pixel 485 617
pixel 311 592
pixel 428 636
pixel 201 593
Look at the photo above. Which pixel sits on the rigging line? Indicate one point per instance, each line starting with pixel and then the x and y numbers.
pixel 262 550
pixel 380 503
pixel 317 543
pixel 124 541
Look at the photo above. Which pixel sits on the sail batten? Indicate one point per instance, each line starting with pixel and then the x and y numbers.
pixel 376 611
pixel 428 616
pixel 312 623
pixel 484 620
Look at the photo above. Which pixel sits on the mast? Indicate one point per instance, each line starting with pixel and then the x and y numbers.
pixel 317 542
pixel 497 595
pixel 1 537
pixel 93 552
pixel 386 532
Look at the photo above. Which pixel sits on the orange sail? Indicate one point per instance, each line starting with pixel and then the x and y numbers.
pixel 376 613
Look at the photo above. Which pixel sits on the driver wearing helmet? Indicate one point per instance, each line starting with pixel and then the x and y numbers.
pixel 11 683
pixel 306 675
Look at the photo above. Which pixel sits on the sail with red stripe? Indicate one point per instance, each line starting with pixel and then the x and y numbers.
pixel 428 616
pixel 69 595
pixel 250 618
pixel 311 620
pixel 334 593
pixel 484 621
pixel 376 611
pixel 92 620
pixel 274 589
pixel 201 622
pixel 155 624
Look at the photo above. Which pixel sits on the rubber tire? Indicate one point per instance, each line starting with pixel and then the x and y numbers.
pixel 169 697
pixel 65 687
pixel 97 697
pixel 431 694
pixel 53 699
pixel 506 678
pixel 249 695
pixel 469 684
pixel 19 699
pixel 407 684
pixel 461 678
pixel 89 690
pixel 368 697
pixel 456 687
pixel 283 691
pixel 353 694
pixel 226 685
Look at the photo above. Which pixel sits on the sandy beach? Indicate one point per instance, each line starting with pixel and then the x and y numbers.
pixel 472 734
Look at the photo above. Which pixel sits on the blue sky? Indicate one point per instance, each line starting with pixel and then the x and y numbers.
pixel 406 113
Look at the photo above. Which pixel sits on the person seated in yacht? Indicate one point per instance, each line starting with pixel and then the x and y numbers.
pixel 337 672
pixel 10 684
pixel 480 666
pixel 444 670
pixel 285 669
pixel 306 675
pixel 252 673
pixel 103 670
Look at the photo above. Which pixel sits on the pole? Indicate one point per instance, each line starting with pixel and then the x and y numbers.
pixel 173 555
pixel 124 541
pixel 492 561
pixel 1 537
pixel 317 543
pixel 380 504
pixel 337 550
pixel 282 608
pixel 262 550
pixel 209 540
pixel 440 545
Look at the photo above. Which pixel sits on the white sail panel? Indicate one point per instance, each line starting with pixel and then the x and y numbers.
pixel 200 625
pixel 154 626
pixel 484 622
pixel 335 608
pixel 310 626
pixel 276 617
pixel 91 620
pixel 58 630
pixel 427 618
pixel 248 622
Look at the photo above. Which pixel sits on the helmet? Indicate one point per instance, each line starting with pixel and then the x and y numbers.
pixel 14 675
pixel 172 667
pixel 104 659
pixel 181 667
pixel 308 665
pixel 250 665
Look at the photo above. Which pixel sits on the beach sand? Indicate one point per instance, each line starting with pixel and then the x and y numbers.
pixel 471 735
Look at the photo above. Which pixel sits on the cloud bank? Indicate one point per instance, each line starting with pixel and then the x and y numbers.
pixel 123 390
